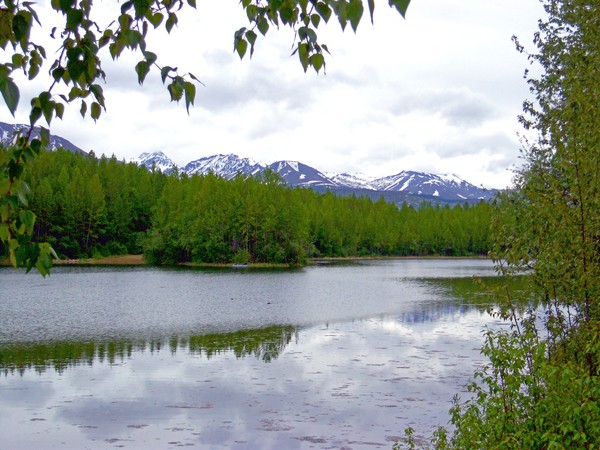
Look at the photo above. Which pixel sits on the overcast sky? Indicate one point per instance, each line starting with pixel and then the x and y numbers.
pixel 438 92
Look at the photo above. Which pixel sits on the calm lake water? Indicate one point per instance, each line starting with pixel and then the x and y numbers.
pixel 333 356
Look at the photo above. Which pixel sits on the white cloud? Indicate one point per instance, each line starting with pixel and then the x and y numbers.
pixel 439 91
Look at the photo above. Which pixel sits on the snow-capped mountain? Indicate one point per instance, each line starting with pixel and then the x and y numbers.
pixel 353 180
pixel 8 131
pixel 406 186
pixel 409 186
pixel 295 173
pixel 156 161
pixel 226 166
pixel 428 184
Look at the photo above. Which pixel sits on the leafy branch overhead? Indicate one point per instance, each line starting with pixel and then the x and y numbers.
pixel 78 66
pixel 304 17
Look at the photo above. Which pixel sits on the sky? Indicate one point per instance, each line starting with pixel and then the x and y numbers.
pixel 439 91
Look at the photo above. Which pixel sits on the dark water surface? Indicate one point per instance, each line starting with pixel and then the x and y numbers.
pixel 330 356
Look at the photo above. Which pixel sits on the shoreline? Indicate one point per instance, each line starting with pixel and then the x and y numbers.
pixel 138 260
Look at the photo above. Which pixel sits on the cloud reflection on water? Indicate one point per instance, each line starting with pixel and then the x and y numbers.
pixel 341 369
pixel 352 384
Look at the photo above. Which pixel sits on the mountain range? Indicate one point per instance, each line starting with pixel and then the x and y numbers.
pixel 406 186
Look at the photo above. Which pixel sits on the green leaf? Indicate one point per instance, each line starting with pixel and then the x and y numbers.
pixel 156 19
pixel 58 73
pixel 303 55
pixel 116 48
pixel 142 70
pixel 371 8
pixel 306 33
pixel 192 3
pixel 45 136
pixel 35 114
pixel 126 7
pixel 354 13
pixel 263 25
pixel 10 93
pixel 190 95
pixel 287 14
pixel 96 89
pixel 83 109
pixel 134 39
pixel 44 261
pixel 315 20
pixel 171 22
pixel 4 233
pixel 324 11
pixel 35 146
pixel 176 89
pixel 316 60
pixel 141 8
pixel 18 60
pixel 342 14
pixel 48 111
pixel 251 12
pixel 105 39
pixel 21 25
pixel 302 33
pixel 27 218
pixel 400 5
pixel 240 47
pixel 59 108
pixel 74 19
pixel 164 73
pixel 125 22
pixel 33 71
pixel 251 36
pixel 96 110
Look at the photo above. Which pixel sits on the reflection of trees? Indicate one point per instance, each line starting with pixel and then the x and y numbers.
pixel 463 295
pixel 264 343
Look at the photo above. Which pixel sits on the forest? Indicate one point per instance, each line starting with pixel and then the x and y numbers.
pixel 90 207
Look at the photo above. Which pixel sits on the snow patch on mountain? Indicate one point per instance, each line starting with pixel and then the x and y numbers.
pixel 353 180
pixel 226 166
pixel 446 187
pixel 156 161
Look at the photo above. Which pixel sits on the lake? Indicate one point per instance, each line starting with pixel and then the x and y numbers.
pixel 331 356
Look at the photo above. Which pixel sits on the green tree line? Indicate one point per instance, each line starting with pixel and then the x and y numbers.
pixel 87 206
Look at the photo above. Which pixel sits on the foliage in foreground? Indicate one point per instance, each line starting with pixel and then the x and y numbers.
pixel 540 389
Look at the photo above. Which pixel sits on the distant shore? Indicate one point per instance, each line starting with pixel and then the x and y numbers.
pixel 138 260
pixel 122 260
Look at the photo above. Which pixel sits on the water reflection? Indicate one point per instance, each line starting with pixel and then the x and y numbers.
pixel 341 357
pixel 340 385
pixel 265 344
pixel 453 297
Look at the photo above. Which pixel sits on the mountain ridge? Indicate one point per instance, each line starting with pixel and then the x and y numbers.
pixel 414 186
pixel 410 187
